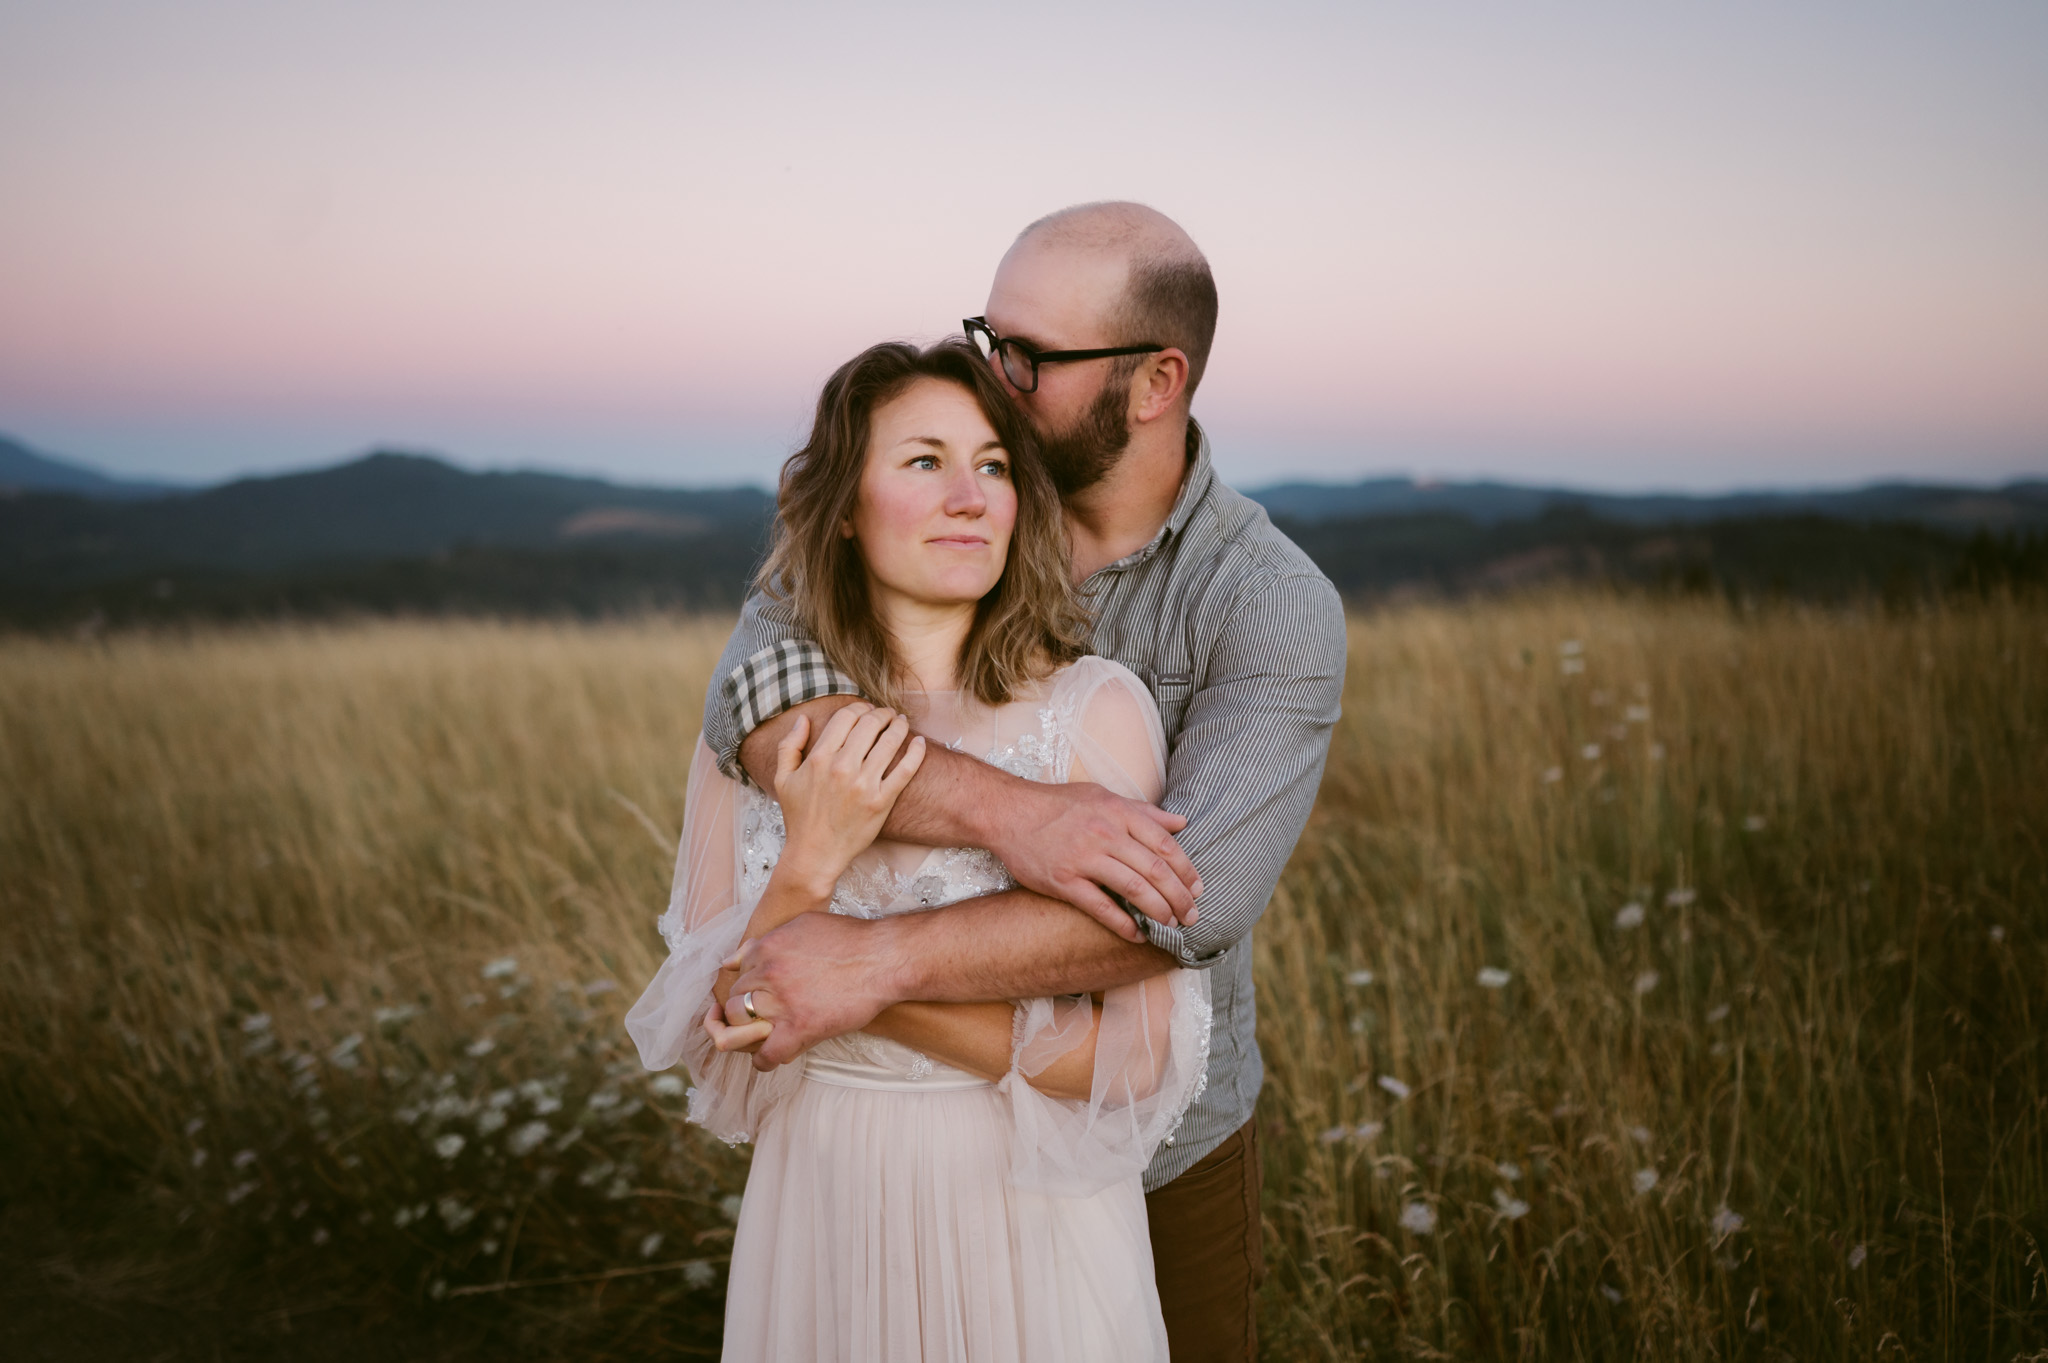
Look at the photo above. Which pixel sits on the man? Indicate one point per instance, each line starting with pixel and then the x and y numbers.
pixel 1100 320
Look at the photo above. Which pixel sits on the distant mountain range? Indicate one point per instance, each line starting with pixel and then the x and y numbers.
pixel 399 531
pixel 2018 505
pixel 25 470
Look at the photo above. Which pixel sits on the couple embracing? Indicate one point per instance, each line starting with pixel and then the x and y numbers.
pixel 1009 751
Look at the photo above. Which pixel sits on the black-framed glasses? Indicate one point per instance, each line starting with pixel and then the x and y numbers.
pixel 1021 361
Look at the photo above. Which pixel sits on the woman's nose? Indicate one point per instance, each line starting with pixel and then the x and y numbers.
pixel 964 494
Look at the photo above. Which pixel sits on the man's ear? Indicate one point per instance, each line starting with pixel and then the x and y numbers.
pixel 1159 385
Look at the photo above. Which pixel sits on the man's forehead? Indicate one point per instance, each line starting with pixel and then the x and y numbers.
pixel 1056 296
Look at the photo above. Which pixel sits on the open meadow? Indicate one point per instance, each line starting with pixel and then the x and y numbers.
pixel 1656 979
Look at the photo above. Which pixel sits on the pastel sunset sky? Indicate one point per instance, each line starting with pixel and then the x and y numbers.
pixel 1619 245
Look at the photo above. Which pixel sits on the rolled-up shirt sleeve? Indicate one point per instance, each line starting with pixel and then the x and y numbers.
pixel 769 665
pixel 1245 768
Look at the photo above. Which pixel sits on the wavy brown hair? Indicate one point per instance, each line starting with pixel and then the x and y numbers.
pixel 1030 623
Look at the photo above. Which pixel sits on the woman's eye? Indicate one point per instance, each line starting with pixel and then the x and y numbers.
pixel 925 461
pixel 995 468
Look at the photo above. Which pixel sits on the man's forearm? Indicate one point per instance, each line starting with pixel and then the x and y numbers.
pixel 1013 945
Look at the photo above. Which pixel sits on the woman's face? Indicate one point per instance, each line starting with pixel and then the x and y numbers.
pixel 936 503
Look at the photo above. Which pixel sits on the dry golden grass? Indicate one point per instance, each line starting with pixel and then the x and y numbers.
pixel 1822 1040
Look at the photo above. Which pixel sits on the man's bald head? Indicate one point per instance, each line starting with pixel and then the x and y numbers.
pixel 1169 296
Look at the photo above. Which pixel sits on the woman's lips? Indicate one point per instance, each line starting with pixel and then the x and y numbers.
pixel 959 542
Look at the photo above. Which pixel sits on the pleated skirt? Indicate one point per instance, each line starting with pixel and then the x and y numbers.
pixel 879 1225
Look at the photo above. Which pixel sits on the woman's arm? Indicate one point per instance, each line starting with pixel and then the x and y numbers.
pixel 978 1037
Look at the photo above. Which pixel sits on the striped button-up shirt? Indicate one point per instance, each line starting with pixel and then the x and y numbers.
pixel 1241 639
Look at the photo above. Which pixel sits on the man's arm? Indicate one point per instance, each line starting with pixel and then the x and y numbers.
pixel 1244 772
pixel 1063 841
pixel 1068 842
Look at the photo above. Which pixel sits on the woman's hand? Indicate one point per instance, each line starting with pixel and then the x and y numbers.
pixel 836 796
pixel 747 1037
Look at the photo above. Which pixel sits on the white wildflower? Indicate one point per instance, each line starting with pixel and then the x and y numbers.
pixel 699 1273
pixel 1997 933
pixel 1572 667
pixel 1552 775
pixel 437 1289
pixel 320 1236
pixel 649 1243
pixel 491 1119
pixel 402 1217
pixel 454 1215
pixel 523 1140
pixel 244 1158
pixel 198 1159
pixel 256 1022
pixel 1591 752
pixel 240 1191
pixel 1857 1255
pixel 1395 1087
pixel 472 1000
pixel 545 1104
pixel 1656 752
pixel 666 1086
pixel 1358 979
pixel 1647 981
pixel 1418 1218
pixel 1637 714
pixel 730 1205
pixel 1571 648
pixel 195 1126
pixel 596 987
pixel 602 1099
pixel 314 1003
pixel 489 1244
pixel 1493 977
pixel 343 1053
pixel 1726 1222
pixel 1644 1180
pixel 449 1145
pixel 1511 1208
pixel 503 1098
pixel 1681 897
pixel 504 968
pixel 1629 915
pixel 1367 1131
pixel 1509 1170
pixel 480 1047
pixel 1639 1134
pixel 1334 1134
pixel 1718 1013
pixel 1755 823
pixel 1613 1294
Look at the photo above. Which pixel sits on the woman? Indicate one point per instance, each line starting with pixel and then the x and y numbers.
pixel 958 1181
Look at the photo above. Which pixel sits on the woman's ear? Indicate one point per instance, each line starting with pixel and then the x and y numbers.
pixel 846 528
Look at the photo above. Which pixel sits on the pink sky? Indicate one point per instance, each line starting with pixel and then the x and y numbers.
pixel 1600 245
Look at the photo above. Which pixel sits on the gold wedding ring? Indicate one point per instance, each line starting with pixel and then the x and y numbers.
pixel 747 1004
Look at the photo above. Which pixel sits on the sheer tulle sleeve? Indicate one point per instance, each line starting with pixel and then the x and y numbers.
pixel 1152 1049
pixel 707 915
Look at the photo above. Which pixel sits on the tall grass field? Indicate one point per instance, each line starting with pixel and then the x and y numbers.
pixel 1655 980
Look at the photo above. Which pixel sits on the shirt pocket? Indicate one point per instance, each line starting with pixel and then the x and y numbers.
pixel 1171 692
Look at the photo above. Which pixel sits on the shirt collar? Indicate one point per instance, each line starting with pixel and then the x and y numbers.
pixel 1194 487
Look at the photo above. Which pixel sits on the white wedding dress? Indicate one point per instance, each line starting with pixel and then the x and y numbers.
pixel 898 1208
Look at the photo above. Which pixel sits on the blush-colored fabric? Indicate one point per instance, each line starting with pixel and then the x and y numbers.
pixel 898 1207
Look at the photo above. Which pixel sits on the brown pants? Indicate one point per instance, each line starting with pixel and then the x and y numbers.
pixel 1207 1254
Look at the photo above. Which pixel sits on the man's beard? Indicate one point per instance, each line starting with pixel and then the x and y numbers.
pixel 1082 455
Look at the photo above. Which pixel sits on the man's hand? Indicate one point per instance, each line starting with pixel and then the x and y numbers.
pixel 818 976
pixel 1074 841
